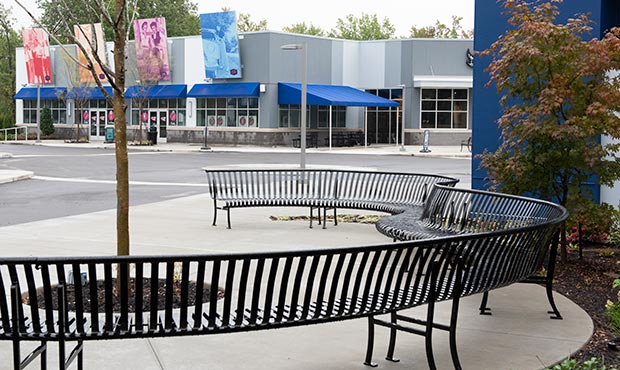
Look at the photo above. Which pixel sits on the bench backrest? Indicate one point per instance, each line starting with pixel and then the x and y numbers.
pixel 461 211
pixel 398 188
pixel 247 291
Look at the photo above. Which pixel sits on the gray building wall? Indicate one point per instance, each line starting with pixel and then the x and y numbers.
pixel 364 65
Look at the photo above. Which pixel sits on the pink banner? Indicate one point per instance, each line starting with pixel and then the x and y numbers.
pixel 37 53
pixel 151 49
pixel 91 39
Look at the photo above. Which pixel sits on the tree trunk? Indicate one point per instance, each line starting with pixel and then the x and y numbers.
pixel 120 126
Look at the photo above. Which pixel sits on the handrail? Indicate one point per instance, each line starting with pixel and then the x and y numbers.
pixel 4 133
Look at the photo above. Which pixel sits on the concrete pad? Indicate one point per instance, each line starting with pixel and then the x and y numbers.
pixel 519 335
pixel 5 155
pixel 7 176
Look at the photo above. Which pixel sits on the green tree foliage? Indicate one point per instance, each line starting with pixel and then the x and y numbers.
pixel 558 98
pixel 366 27
pixel 47 124
pixel 246 24
pixel 9 40
pixel 181 15
pixel 305 29
pixel 442 31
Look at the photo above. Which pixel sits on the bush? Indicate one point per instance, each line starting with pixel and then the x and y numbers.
pixel 613 309
pixel 591 364
pixel 47 124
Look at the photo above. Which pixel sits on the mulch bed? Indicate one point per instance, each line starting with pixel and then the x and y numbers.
pixel 146 305
pixel 588 283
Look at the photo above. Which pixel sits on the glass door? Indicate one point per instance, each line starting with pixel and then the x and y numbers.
pixel 96 120
pixel 158 118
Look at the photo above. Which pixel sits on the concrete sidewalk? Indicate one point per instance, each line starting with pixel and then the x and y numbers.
pixel 452 151
pixel 518 336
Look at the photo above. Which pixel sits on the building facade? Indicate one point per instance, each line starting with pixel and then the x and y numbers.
pixel 426 82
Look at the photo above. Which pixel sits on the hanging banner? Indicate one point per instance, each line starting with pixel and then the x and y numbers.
pixel 220 45
pixel 92 40
pixel 151 49
pixel 37 55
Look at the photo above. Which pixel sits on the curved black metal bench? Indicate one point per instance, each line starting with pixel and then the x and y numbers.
pixel 320 189
pixel 255 291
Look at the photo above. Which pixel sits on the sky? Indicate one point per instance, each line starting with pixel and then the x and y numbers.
pixel 324 13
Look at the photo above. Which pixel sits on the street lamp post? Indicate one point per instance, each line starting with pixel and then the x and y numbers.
pixel 402 118
pixel 38 113
pixel 304 88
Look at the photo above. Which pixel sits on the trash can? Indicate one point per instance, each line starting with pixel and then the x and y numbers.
pixel 152 135
pixel 109 134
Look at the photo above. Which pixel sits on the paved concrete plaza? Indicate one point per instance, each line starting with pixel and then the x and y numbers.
pixel 518 336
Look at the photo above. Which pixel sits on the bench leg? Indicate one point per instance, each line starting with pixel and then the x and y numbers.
pixel 325 217
pixel 311 216
pixel 228 216
pixel 553 254
pixel 335 218
pixel 371 343
pixel 484 308
pixel 214 212
pixel 390 353
pixel 456 298
pixel 17 357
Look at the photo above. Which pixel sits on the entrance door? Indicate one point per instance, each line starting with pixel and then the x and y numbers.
pixel 96 120
pixel 158 118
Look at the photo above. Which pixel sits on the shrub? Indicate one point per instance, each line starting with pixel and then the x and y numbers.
pixel 47 124
pixel 613 309
pixel 591 364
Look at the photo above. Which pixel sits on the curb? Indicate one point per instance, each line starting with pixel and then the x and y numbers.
pixel 8 176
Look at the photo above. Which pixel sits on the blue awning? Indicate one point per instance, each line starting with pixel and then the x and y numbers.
pixel 290 93
pixel 157 91
pixel 231 90
pixel 88 93
pixel 48 93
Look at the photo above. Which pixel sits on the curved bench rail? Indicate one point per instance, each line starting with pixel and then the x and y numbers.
pixel 380 191
pixel 268 290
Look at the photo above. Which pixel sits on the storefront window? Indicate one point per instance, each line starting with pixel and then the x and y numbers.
pixel 316 116
pixel 173 109
pixel 444 108
pixel 227 112
pixel 58 108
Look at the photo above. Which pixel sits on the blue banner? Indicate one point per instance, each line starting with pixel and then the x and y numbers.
pixel 220 45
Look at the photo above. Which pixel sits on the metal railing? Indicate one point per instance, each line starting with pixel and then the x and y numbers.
pixel 4 133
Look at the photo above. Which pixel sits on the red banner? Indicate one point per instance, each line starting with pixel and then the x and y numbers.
pixel 37 53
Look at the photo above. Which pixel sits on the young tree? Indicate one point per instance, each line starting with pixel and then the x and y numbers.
pixel 9 39
pixel 442 31
pixel 116 17
pixel 558 98
pixel 304 29
pixel 366 27
pixel 47 123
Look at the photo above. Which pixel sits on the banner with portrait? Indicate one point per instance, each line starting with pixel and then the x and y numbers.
pixel 37 55
pixel 220 45
pixel 91 38
pixel 151 49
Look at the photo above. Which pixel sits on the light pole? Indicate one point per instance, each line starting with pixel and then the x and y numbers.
pixel 38 113
pixel 304 88
pixel 402 119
